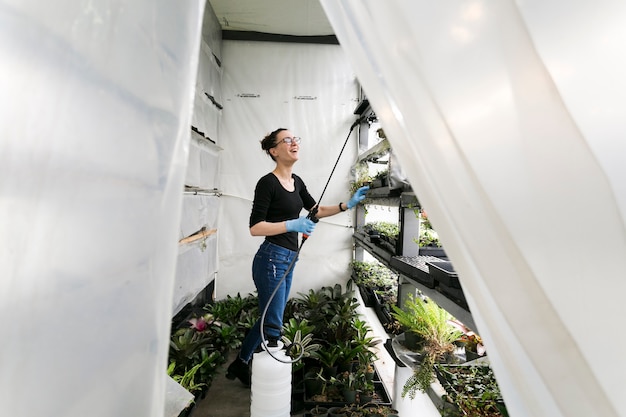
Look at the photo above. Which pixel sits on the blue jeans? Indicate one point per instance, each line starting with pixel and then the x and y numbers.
pixel 268 268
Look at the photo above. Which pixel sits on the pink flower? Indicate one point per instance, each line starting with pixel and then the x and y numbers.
pixel 199 324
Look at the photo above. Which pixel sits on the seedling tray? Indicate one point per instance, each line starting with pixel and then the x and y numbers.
pixel 444 273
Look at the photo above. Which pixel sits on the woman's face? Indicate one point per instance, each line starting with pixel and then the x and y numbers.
pixel 284 151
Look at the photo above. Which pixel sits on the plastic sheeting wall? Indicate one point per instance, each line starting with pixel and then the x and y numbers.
pixel 95 110
pixel 197 260
pixel 507 118
pixel 312 90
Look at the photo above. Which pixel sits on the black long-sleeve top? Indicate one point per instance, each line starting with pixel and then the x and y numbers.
pixel 272 203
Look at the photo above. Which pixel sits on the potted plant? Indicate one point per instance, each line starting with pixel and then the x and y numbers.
pixel 196 352
pixel 412 322
pixel 337 412
pixel 319 411
pixel 472 343
pixel 381 179
pixel 348 385
pixel 434 325
pixel 345 344
pixel 298 340
pixel 378 410
pixel 384 234
pixel 328 357
pixel 365 390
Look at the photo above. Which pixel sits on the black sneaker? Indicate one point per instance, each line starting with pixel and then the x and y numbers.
pixel 239 369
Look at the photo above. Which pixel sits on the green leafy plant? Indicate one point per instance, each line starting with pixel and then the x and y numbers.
pixel 428 237
pixel 196 351
pixel 412 316
pixel 367 410
pixel 472 389
pixel 373 275
pixel 193 359
pixel 298 340
pixel 362 177
pixel 238 311
pixel 382 174
pixel 379 410
pixel 433 324
pixel 387 229
pixel 470 340
pixel 365 343
pixel 188 379
pixel 328 357
pixel 347 380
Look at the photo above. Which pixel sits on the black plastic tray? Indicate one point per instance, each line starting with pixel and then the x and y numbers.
pixel 444 273
pixel 415 268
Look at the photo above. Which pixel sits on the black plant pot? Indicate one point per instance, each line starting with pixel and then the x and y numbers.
pixel 336 412
pixel 470 355
pixel 368 296
pixel 413 341
pixel 313 386
pixel 319 411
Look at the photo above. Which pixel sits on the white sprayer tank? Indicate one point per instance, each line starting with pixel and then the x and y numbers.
pixel 271 384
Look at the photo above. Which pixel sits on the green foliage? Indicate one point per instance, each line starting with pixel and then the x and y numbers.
pixel 434 324
pixel 412 315
pixel 421 378
pixel 362 177
pixel 345 342
pixel 427 319
pixel 379 279
pixel 368 409
pixel 194 357
pixel 473 389
pixel 428 237
pixel 381 175
pixel 298 338
pixel 328 356
pixel 238 311
pixel 197 350
pixel 387 229
pixel 373 275
pixel 329 310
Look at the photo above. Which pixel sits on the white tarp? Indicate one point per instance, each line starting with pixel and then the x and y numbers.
pixel 507 118
pixel 311 90
pixel 95 113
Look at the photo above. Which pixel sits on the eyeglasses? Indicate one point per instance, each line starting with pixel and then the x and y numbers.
pixel 289 140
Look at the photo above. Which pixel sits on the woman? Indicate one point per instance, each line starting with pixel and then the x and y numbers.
pixel 279 197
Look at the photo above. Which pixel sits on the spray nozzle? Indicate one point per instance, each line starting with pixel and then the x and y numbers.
pixel 311 216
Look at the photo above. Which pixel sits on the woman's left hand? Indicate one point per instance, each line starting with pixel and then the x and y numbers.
pixel 358 196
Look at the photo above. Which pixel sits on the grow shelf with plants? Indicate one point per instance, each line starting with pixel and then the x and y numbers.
pixel 383 234
pixel 364 241
pixel 374 278
pixel 470 390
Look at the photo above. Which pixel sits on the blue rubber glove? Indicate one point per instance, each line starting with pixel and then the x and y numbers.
pixel 300 225
pixel 358 196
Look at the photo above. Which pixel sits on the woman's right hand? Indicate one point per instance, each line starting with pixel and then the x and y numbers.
pixel 300 225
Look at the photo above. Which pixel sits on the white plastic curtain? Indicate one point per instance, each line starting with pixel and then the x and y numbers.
pixel 312 90
pixel 95 113
pixel 507 117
